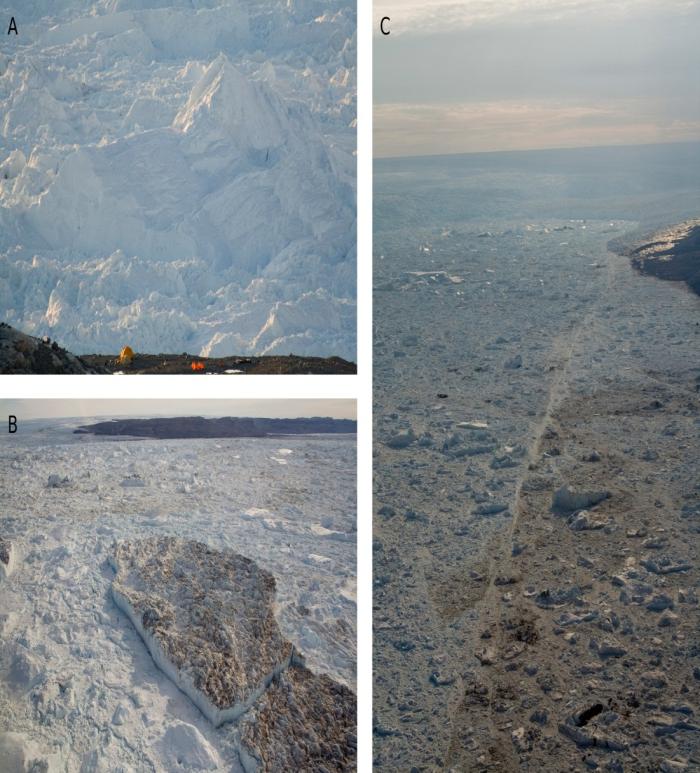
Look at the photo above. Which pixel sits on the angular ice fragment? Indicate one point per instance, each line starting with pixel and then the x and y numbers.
pixel 8 558
pixel 567 500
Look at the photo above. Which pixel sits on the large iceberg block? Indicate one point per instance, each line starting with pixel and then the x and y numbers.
pixel 207 619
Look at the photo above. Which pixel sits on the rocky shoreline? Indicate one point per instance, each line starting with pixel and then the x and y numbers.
pixel 227 427
pixel 182 364
pixel 671 253
pixel 24 354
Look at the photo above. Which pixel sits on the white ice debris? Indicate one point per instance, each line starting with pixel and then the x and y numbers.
pixel 19 754
pixel 8 557
pixel 133 481
pixel 13 165
pixel 566 500
pixel 185 747
pixel 320 560
pixel 322 531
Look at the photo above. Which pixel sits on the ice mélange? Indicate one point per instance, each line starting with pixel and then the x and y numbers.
pixel 161 594
pixel 536 501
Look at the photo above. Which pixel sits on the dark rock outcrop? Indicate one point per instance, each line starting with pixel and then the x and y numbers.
pixel 24 354
pixel 199 427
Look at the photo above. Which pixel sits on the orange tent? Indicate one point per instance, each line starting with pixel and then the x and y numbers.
pixel 126 355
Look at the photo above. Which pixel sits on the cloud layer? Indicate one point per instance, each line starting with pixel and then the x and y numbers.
pixel 536 74
pixel 405 129
pixel 424 17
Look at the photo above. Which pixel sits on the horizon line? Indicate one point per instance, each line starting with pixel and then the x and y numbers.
pixel 105 417
pixel 538 150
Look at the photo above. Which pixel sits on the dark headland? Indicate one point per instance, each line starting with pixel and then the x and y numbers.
pixel 228 427
pixel 671 253
pixel 24 354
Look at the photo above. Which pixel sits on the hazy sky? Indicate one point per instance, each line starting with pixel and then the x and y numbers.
pixel 43 409
pixel 484 75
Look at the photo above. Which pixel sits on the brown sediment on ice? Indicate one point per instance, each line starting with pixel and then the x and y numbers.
pixel 303 722
pixel 671 253
pixel 207 618
pixel 587 653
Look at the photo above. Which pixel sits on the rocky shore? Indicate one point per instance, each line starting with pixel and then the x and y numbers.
pixel 24 354
pixel 672 253
pixel 182 364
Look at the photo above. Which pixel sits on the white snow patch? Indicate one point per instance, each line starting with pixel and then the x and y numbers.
pixel 322 531
pixel 185 747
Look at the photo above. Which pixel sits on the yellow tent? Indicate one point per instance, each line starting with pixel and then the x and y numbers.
pixel 126 356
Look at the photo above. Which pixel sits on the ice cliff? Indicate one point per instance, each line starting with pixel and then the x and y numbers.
pixel 180 176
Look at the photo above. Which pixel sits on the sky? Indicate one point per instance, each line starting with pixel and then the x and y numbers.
pixel 485 75
pixel 268 408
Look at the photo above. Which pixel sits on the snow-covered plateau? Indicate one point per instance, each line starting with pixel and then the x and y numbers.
pixel 180 175
pixel 80 687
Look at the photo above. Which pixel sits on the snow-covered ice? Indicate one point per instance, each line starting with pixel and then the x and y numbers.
pixel 180 176
pixel 78 686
